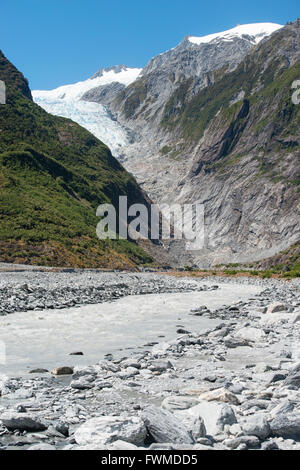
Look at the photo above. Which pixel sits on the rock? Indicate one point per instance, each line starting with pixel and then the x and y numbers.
pixel 296 317
pixel 62 428
pixel 181 331
pixel 193 421
pixel 21 409
pixel 250 334
pixel 204 441
pixel 202 447
pixel 233 343
pixel 62 370
pixel 175 403
pixel 81 384
pixel 226 417
pixel 293 378
pixel 41 446
pixel 160 365
pixel 160 349
pixel 277 377
pixel 122 445
pixel 128 373
pixel 260 404
pixel 252 442
pixel 131 363
pixel 286 425
pixel 220 394
pixel 258 426
pixel 22 422
pixel 164 427
pixel 284 407
pixel 277 307
pixel 269 445
pixel 210 413
pixel 105 430
pixel 100 384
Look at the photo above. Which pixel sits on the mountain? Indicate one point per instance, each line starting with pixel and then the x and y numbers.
pixel 66 101
pixel 180 72
pixel 227 137
pixel 212 121
pixel 53 175
pixel 242 136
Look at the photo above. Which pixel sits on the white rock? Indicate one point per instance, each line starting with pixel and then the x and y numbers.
pixel 164 427
pixel 258 426
pixel 210 412
pixel 160 349
pixel 107 429
pixel 41 446
pixel 193 421
pixel 250 334
pixel 220 394
pixel 175 403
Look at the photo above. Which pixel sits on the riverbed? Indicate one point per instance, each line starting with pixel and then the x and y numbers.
pixel 45 339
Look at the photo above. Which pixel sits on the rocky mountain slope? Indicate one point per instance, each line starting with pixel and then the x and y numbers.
pixel 227 137
pixel 243 133
pixel 53 175
pixel 167 80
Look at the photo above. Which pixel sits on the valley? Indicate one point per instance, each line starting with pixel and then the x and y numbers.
pixel 124 344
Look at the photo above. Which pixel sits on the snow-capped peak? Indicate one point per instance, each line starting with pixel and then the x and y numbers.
pixel 121 74
pixel 254 32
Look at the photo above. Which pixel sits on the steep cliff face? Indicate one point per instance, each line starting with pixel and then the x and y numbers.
pixel 245 140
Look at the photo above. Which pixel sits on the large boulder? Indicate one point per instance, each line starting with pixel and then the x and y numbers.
pixel 65 370
pixel 22 422
pixel 286 425
pixel 104 430
pixel 250 334
pixel 193 421
pixel 293 378
pixel 226 417
pixel 277 307
pixel 165 427
pixel 258 426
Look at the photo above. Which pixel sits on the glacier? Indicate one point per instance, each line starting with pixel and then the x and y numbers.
pixel 66 101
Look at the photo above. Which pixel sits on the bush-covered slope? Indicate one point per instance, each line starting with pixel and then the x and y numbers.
pixel 53 175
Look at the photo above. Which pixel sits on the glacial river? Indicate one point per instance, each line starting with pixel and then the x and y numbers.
pixel 45 339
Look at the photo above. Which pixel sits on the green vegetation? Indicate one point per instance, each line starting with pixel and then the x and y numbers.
pixel 53 175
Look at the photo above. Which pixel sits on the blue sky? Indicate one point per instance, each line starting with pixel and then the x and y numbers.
pixel 54 42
